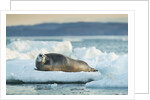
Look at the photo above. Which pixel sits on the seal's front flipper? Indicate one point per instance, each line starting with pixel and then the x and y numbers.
pixel 36 69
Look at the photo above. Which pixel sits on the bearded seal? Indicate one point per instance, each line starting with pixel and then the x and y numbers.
pixel 59 62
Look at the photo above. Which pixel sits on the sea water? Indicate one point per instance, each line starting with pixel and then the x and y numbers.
pixel 108 54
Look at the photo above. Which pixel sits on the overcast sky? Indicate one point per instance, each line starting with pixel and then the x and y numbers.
pixel 31 19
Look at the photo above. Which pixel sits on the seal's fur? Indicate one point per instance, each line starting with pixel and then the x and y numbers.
pixel 59 62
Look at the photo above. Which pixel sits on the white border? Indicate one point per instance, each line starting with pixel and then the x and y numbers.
pixel 5 4
pixel 130 57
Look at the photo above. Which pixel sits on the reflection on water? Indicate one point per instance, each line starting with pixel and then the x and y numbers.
pixel 61 89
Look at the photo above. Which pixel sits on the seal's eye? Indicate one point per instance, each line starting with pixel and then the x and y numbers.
pixel 40 55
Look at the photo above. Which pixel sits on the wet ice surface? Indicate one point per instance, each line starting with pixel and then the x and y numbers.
pixel 61 89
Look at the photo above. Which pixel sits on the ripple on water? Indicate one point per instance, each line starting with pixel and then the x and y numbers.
pixel 61 89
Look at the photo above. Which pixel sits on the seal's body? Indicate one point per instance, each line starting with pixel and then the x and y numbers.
pixel 59 62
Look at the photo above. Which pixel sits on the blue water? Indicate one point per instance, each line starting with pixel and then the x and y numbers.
pixel 62 89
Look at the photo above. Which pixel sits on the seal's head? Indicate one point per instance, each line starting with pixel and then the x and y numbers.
pixel 41 58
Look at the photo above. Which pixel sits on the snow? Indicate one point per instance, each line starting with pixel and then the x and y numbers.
pixel 23 70
pixel 112 81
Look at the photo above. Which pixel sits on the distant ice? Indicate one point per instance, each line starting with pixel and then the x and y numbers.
pixel 30 49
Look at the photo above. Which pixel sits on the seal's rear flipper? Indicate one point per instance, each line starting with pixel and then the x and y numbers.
pixel 94 70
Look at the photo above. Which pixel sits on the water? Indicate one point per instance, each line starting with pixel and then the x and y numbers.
pixel 62 89
pixel 108 54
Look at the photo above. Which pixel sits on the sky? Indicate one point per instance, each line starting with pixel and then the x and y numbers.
pixel 32 19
